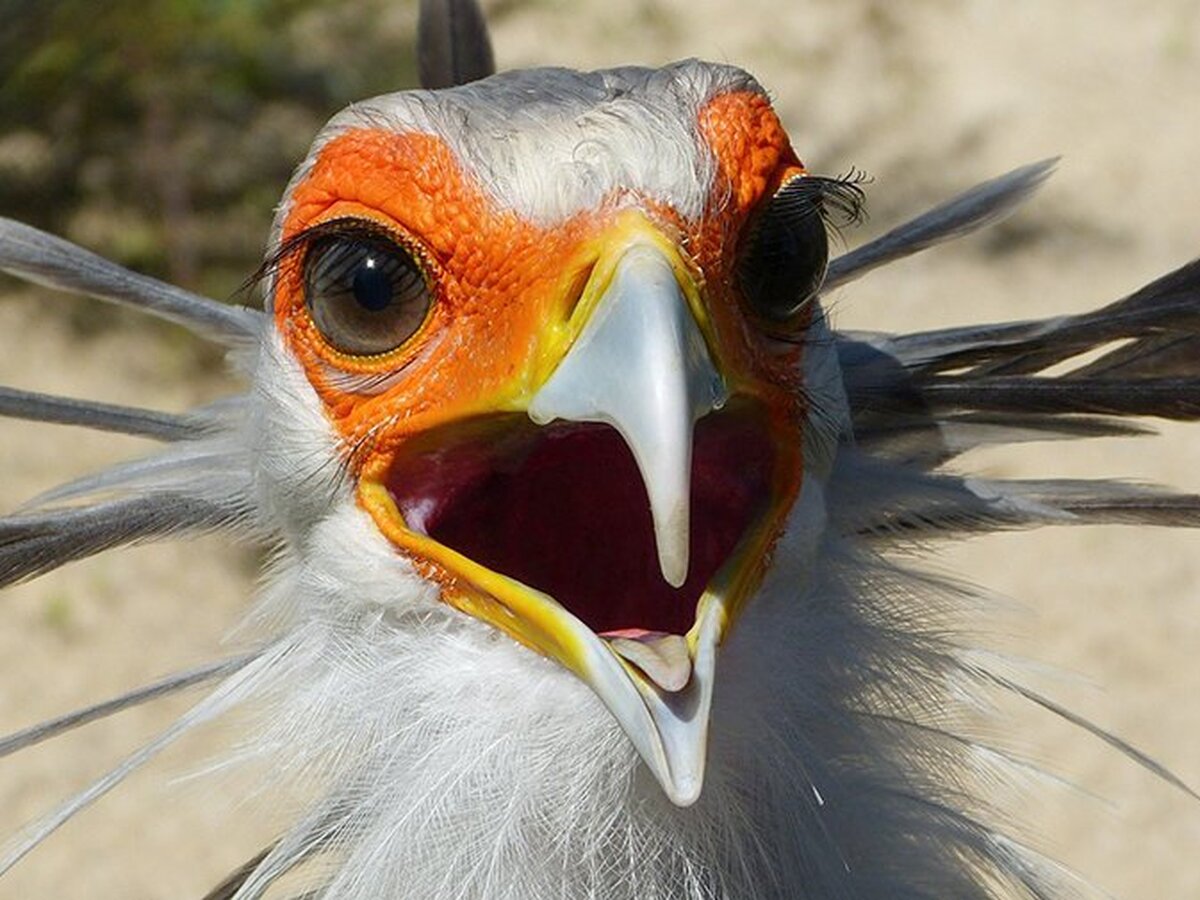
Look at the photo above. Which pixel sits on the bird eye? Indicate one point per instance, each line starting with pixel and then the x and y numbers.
pixel 365 293
pixel 785 254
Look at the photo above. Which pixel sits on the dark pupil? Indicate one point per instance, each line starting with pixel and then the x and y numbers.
pixel 372 285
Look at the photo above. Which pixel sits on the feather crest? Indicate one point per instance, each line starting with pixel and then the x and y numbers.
pixel 48 260
pixel 18 404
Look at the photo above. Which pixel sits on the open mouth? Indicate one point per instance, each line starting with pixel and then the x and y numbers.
pixel 562 508
pixel 617 508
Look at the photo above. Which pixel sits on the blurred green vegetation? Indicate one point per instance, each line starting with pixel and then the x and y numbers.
pixel 161 133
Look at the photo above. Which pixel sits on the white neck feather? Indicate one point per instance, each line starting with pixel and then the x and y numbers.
pixel 449 762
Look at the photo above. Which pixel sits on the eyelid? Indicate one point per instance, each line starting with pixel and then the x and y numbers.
pixel 295 247
pixel 783 252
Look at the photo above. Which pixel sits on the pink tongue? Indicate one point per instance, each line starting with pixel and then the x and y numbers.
pixel 662 657
pixel 634 634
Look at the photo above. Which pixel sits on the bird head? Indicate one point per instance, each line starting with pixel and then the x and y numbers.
pixel 557 335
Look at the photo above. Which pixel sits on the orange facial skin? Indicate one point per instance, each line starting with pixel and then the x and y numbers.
pixel 505 289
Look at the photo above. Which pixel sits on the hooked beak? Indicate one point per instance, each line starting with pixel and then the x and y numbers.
pixel 639 364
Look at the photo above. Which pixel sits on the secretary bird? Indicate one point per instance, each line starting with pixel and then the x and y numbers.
pixel 590 535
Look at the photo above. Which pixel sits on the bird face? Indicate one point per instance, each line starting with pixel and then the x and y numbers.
pixel 564 367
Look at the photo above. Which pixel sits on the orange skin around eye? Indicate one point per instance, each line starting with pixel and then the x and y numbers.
pixel 502 284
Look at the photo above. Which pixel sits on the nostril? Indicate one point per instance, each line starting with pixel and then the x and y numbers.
pixel 576 288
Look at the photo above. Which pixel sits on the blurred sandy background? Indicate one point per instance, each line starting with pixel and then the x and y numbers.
pixel 928 97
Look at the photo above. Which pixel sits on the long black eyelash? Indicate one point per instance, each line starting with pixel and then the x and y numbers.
pixel 292 249
pixel 840 200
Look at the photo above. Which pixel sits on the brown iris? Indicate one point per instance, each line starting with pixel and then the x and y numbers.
pixel 366 294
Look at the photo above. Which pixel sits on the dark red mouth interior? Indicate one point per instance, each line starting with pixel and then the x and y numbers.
pixel 562 508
